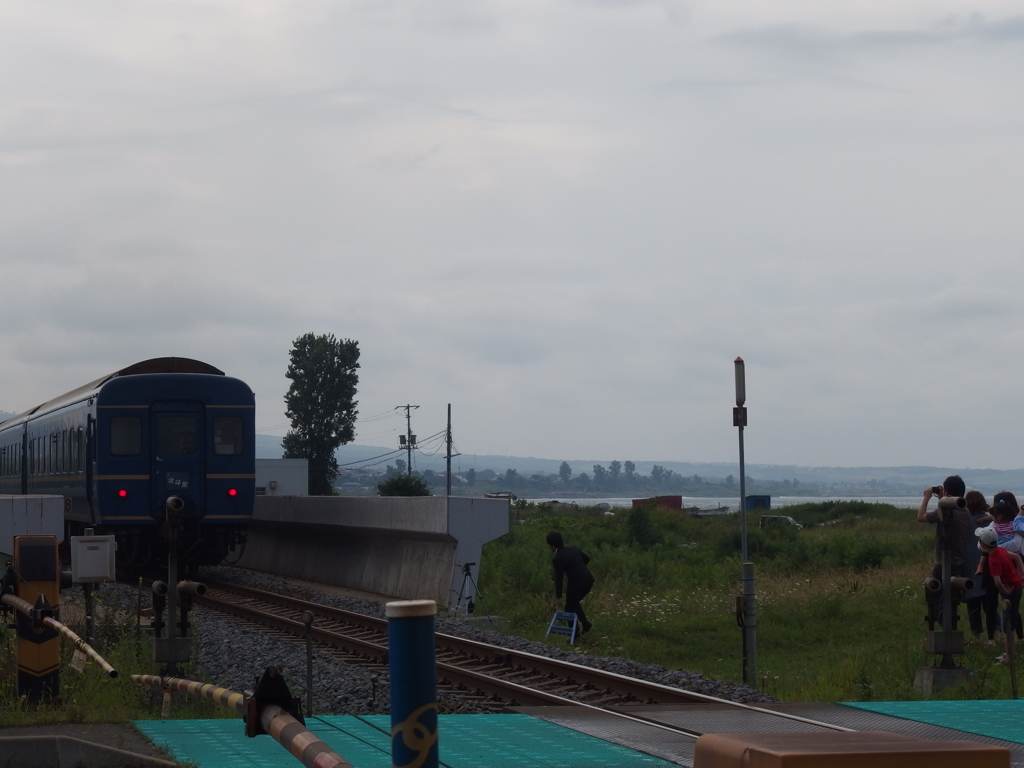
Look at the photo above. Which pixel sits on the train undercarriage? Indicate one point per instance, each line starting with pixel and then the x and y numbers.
pixel 144 547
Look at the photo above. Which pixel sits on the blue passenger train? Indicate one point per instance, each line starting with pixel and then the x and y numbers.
pixel 119 447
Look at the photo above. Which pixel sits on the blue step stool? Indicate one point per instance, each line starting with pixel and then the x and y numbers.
pixel 564 623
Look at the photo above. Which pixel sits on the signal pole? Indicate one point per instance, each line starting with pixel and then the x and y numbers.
pixel 746 610
pixel 408 440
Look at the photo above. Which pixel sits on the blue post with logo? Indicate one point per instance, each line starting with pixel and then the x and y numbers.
pixel 413 683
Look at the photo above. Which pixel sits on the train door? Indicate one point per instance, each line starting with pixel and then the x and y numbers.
pixel 177 451
pixel 90 465
pixel 23 462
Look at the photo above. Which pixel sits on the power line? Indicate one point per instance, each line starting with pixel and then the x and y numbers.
pixel 383 455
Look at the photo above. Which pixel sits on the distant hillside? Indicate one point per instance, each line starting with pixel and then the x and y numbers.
pixel 4 415
pixel 898 480
pixel 268 447
pixel 888 480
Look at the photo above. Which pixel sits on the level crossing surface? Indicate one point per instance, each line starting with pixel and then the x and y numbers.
pixel 564 737
pixel 466 741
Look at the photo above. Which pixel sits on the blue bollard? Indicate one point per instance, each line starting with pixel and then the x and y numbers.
pixel 413 683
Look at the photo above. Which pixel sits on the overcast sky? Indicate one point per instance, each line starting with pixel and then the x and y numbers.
pixel 565 218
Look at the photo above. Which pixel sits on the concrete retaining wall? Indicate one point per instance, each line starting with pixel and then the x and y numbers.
pixel 403 547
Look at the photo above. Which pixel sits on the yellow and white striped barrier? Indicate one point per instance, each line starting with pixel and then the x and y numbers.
pixel 214 693
pixel 285 729
pixel 25 607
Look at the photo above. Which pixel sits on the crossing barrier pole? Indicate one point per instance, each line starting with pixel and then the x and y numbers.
pixel 263 713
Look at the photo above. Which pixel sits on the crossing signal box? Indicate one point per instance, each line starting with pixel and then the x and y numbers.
pixel 37 581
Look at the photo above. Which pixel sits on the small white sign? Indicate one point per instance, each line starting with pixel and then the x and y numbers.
pixel 78 661
pixel 166 710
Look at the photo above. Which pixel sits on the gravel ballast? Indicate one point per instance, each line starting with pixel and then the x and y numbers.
pixel 233 654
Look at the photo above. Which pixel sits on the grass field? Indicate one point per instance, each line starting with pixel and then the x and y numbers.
pixel 840 603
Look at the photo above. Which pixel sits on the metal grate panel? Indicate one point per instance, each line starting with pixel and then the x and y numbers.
pixel 464 741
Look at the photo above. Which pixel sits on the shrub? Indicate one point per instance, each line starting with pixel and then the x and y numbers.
pixel 403 485
pixel 641 528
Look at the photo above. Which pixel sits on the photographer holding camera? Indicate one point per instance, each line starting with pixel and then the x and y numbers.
pixel 951 527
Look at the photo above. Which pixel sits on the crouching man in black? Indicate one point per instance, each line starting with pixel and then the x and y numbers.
pixel 572 563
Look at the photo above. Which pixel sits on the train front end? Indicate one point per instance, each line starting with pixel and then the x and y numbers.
pixel 174 436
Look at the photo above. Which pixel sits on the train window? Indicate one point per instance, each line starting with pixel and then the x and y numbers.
pixel 125 436
pixel 177 435
pixel 228 436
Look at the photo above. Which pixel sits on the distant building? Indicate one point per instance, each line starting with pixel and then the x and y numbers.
pixel 282 477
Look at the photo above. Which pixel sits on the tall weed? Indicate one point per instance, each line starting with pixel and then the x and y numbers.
pixel 839 603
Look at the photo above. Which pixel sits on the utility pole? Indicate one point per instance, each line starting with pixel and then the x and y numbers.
pixel 746 605
pixel 448 442
pixel 408 440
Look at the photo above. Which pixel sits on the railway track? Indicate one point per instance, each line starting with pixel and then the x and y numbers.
pixel 490 675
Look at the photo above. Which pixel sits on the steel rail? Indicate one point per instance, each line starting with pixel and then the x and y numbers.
pixel 580 673
pixel 516 693
pixel 358 646
pixel 483 653
pixel 459 676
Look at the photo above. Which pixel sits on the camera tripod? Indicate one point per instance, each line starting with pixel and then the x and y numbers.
pixel 467 580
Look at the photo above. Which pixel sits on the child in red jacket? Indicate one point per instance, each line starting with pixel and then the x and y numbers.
pixel 1005 568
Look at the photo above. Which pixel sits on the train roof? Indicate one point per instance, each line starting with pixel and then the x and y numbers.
pixel 154 365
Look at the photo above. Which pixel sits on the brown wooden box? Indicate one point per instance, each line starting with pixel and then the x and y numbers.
pixel 841 749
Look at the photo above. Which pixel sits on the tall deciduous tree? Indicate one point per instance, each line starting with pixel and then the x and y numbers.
pixel 321 404
pixel 565 471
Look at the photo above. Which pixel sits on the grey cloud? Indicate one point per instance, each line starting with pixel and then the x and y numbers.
pixel 510 212
pixel 797 37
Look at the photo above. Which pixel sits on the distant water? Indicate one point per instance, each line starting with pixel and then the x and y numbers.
pixel 733 502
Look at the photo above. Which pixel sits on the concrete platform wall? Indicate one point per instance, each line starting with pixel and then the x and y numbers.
pixel 402 547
